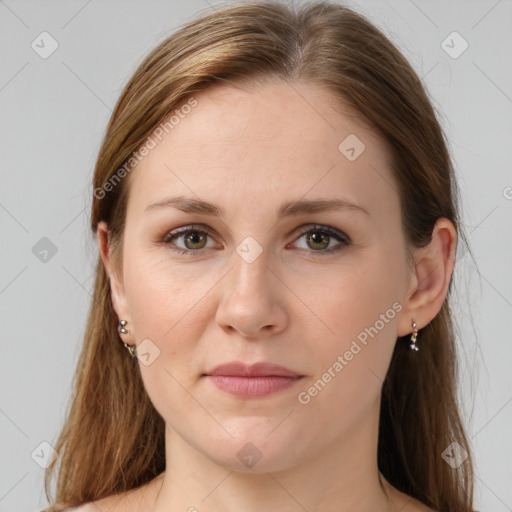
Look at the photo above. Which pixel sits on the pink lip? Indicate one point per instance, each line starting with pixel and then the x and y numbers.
pixel 262 369
pixel 257 380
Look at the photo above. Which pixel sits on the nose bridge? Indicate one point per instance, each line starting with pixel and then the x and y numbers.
pixel 250 267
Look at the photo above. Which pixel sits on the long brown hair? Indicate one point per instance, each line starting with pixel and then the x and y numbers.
pixel 113 439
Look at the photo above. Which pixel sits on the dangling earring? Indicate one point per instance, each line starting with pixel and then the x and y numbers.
pixel 122 330
pixel 413 337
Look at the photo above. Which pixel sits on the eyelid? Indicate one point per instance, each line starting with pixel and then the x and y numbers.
pixel 325 229
pixel 183 230
pixel 343 239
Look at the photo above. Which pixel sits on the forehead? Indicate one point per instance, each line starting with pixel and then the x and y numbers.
pixel 271 142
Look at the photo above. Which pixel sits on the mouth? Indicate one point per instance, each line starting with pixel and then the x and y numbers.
pixel 252 387
pixel 252 381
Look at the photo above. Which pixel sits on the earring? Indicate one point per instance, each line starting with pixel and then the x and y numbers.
pixel 122 330
pixel 413 337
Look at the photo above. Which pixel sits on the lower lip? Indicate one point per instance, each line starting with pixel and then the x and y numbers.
pixel 252 387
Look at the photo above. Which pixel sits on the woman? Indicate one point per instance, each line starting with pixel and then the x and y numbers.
pixel 277 221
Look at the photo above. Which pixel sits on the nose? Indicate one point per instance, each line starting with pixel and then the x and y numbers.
pixel 252 299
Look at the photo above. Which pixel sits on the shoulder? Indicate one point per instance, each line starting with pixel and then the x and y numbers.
pixel 108 504
pixel 406 503
pixel 88 507
pixel 127 500
pixel 82 508
pixel 56 507
pixel 413 505
pixel 115 503
pixel 403 502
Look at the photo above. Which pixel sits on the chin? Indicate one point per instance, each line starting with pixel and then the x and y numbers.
pixel 253 452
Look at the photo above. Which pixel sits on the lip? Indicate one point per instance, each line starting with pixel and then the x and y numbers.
pixel 252 381
pixel 261 369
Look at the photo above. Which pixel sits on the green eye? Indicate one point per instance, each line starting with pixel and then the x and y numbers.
pixel 318 239
pixel 194 239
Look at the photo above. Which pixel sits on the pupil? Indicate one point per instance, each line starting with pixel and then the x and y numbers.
pixel 317 238
pixel 194 237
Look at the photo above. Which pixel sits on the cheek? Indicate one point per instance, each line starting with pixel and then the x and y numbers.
pixel 351 364
pixel 359 309
pixel 164 306
pixel 164 298
pixel 353 296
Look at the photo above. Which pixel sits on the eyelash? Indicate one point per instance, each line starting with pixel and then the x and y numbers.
pixel 338 235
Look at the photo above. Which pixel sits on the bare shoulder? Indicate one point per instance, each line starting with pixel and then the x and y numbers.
pixel 115 503
pixel 139 498
pixel 86 507
pixel 413 505
pixel 134 499
pixel 405 503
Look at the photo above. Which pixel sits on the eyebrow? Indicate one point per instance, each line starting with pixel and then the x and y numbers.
pixel 289 209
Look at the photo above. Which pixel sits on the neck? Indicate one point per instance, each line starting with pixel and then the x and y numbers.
pixel 343 477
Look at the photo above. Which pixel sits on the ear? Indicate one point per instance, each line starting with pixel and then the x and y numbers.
pixel 428 284
pixel 118 295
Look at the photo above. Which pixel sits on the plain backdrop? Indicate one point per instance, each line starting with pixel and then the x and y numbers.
pixel 53 112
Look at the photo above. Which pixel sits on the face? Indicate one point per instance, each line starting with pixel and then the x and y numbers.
pixel 316 291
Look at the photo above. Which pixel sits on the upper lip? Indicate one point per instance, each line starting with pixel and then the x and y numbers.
pixel 261 369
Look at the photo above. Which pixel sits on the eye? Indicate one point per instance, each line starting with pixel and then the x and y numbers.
pixel 194 239
pixel 319 238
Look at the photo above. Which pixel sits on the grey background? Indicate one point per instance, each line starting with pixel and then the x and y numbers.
pixel 53 113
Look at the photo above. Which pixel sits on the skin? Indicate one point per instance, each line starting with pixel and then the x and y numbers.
pixel 249 150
